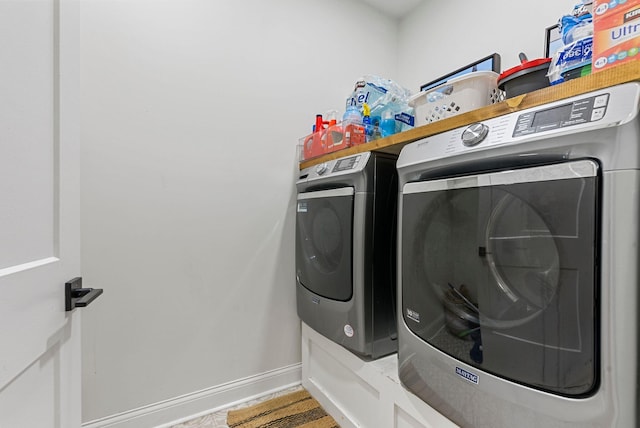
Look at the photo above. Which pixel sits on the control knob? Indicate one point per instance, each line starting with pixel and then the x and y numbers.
pixel 321 168
pixel 474 134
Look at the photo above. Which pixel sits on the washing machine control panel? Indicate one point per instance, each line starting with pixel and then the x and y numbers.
pixel 581 111
pixel 608 107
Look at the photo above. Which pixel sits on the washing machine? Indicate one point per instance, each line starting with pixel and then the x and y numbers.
pixel 518 266
pixel 346 225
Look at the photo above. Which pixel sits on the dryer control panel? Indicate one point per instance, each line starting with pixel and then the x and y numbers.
pixel 336 167
pixel 581 111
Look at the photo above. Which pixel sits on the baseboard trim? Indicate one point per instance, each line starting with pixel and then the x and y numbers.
pixel 183 408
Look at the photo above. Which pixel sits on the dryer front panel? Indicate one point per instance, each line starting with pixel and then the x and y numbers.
pixel 324 242
pixel 499 272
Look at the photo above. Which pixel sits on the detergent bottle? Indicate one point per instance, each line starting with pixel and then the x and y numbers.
pixel 314 145
pixel 334 134
pixel 388 122
pixel 320 135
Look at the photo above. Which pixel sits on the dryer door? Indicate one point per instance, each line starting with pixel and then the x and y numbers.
pixel 499 271
pixel 324 241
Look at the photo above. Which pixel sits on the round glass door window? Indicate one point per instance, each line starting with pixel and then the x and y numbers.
pixel 523 257
pixel 503 276
pixel 488 256
pixel 324 250
pixel 326 242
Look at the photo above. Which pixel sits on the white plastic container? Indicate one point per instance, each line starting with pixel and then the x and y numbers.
pixel 456 96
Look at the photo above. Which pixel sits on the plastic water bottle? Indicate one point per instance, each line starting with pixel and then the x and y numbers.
pixel 352 126
pixel 352 115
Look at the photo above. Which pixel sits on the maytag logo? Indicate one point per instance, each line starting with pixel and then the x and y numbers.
pixel 473 378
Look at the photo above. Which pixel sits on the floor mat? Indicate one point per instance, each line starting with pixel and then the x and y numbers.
pixel 296 410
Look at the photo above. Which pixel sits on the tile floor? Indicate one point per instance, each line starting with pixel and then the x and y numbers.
pixel 219 419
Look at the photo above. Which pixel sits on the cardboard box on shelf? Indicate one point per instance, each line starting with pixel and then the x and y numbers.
pixel 616 33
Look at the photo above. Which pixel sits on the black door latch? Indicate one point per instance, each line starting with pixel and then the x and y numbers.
pixel 78 297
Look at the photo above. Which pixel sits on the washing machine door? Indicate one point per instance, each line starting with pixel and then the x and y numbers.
pixel 324 223
pixel 499 271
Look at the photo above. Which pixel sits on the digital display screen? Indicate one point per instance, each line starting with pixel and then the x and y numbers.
pixel 554 115
pixel 345 164
pixel 578 112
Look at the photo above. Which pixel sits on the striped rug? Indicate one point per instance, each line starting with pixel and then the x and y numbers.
pixel 296 410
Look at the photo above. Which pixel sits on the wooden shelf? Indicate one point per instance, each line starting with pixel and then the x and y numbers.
pixel 624 73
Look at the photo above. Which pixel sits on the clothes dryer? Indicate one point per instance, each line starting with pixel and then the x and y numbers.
pixel 518 266
pixel 345 252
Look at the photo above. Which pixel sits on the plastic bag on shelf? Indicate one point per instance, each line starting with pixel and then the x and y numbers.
pixel 385 99
pixel 574 58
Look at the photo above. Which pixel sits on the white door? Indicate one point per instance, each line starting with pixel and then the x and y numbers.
pixel 39 214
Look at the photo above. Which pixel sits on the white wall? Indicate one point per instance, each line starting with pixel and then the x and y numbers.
pixel 191 113
pixel 442 36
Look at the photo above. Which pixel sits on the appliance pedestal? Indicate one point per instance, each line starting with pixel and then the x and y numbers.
pixel 358 393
